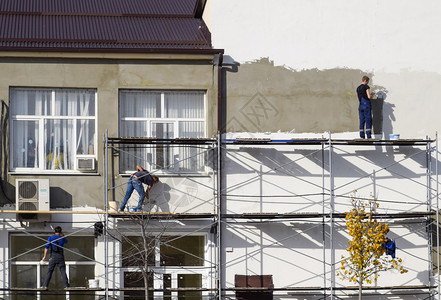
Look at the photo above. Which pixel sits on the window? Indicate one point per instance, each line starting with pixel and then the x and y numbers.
pixel 183 251
pixel 162 115
pixel 27 272
pixel 176 262
pixel 51 128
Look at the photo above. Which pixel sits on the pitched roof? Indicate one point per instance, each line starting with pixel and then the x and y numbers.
pixel 103 25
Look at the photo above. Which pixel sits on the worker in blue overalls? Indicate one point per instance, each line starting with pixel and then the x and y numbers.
pixel 56 243
pixel 364 108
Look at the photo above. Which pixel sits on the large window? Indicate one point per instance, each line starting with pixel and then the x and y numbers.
pixel 51 129
pixel 162 115
pixel 174 262
pixel 27 271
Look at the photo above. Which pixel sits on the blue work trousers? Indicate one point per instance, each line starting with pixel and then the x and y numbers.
pixel 134 184
pixel 56 259
pixel 364 112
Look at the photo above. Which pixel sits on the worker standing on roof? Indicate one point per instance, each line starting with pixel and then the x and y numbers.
pixel 364 108
pixel 135 183
pixel 56 243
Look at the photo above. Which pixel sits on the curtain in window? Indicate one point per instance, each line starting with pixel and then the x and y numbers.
pixel 192 158
pixel 31 102
pixel 135 106
pixel 188 105
pixel 25 144
pixel 139 104
pixel 55 113
pixel 58 134
pixel 85 137
pixel 144 107
pixel 133 155
pixel 25 139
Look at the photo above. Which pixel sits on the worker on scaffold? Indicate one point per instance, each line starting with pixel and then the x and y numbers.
pixel 135 183
pixel 364 108
pixel 56 243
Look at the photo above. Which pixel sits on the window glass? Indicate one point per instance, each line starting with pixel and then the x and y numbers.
pixel 167 283
pixel 27 248
pixel 186 105
pixel 82 248
pixel 58 133
pixel 26 253
pixel 136 280
pixel 80 274
pixel 189 281
pixel 25 142
pixel 86 137
pixel 71 102
pixel 141 104
pixel 182 251
pixel 31 102
pixel 24 276
pixel 64 119
pixel 31 248
pixel 162 115
pixel 133 251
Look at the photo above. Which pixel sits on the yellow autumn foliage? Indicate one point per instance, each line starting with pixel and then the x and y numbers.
pixel 366 254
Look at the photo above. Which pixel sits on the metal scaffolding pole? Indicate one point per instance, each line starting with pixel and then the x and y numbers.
pixel 323 221
pixel 219 214
pixel 437 216
pixel 331 218
pixel 106 222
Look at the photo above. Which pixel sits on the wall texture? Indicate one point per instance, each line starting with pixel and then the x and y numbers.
pixel 304 59
pixel 107 76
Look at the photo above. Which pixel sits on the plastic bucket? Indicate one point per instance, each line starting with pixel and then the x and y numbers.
pixel 394 136
pixel 113 205
pixel 94 283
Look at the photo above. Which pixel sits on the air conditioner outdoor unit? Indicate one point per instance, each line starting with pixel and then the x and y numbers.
pixel 32 195
pixel 85 163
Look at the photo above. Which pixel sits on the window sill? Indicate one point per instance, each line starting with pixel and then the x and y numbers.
pixel 206 174
pixel 53 173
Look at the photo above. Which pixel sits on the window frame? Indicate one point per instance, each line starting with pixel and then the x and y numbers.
pixel 37 263
pixel 149 125
pixel 42 121
pixel 174 271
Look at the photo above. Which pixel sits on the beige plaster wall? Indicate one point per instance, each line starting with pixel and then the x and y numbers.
pixel 262 97
pixel 107 76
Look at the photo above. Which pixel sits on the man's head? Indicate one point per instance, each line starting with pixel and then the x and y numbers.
pixel 155 179
pixel 365 79
pixel 58 230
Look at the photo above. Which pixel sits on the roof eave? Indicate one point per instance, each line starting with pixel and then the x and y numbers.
pixel 113 50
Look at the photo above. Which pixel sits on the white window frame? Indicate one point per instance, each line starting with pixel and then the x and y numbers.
pixel 166 120
pixel 38 264
pixel 204 270
pixel 41 141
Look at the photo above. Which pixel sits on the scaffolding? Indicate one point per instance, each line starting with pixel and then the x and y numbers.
pixel 218 218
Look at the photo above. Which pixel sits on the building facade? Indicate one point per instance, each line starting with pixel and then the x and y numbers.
pixel 256 148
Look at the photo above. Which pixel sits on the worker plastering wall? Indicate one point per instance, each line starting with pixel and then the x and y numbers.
pixel 294 65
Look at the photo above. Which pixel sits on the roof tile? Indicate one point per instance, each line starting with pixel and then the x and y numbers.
pixel 101 24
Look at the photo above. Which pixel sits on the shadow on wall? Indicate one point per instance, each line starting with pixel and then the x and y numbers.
pixel 7 193
pixel 60 198
pixel 261 97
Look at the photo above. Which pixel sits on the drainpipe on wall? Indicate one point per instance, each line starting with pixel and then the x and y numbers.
pixel 220 128
pixel 220 131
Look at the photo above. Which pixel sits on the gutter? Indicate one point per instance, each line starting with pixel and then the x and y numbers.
pixel 114 50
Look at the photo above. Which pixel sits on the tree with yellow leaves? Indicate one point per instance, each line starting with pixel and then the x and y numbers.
pixel 366 252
